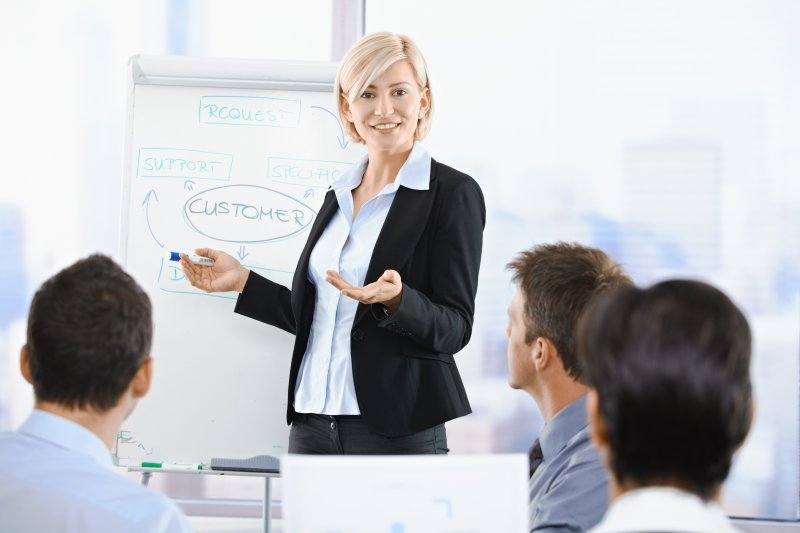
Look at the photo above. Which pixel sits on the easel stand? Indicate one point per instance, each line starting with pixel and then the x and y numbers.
pixel 147 473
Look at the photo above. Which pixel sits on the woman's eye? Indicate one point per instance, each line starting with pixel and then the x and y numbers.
pixel 400 92
pixel 366 95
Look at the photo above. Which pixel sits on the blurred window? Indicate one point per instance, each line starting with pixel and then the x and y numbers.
pixel 661 132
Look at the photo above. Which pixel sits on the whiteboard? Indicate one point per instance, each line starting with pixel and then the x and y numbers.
pixel 234 155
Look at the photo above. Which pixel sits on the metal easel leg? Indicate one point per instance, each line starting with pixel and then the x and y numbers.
pixel 144 479
pixel 267 504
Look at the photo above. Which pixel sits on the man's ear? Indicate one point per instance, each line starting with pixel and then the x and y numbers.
pixel 597 426
pixel 544 353
pixel 25 363
pixel 143 378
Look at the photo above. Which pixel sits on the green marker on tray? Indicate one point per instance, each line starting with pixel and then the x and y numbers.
pixel 173 466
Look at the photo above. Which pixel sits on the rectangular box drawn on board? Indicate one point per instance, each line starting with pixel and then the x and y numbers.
pixel 183 163
pixel 305 172
pixel 249 111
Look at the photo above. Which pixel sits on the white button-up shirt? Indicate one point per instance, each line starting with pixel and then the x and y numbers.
pixel 325 384
pixel 663 509
pixel 57 476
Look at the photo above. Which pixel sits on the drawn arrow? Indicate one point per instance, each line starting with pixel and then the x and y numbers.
pixel 343 142
pixel 309 193
pixel 241 253
pixel 146 205
pixel 188 184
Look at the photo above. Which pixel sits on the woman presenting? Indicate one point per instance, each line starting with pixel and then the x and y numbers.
pixel 384 291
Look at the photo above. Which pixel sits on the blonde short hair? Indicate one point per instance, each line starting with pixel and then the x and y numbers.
pixel 368 59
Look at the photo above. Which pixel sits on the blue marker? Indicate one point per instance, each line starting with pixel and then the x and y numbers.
pixel 196 259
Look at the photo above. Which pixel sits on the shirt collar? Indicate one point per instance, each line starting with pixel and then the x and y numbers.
pixel 663 509
pixel 66 434
pixel 414 174
pixel 563 427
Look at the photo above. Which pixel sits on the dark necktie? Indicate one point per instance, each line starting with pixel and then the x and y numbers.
pixel 535 456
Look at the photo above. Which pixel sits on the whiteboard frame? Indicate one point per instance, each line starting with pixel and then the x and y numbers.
pixel 213 73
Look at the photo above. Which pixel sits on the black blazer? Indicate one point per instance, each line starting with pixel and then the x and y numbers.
pixel 404 373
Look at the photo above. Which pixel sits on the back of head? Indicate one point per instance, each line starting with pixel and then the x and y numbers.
pixel 671 368
pixel 558 282
pixel 89 330
pixel 370 57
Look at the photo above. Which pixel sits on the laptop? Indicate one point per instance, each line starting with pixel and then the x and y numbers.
pixel 405 494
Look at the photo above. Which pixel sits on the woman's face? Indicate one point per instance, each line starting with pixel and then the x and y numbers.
pixel 386 113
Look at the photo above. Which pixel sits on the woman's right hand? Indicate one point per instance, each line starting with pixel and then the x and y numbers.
pixel 227 274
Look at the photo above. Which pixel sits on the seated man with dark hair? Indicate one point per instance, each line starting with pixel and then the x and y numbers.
pixel 87 357
pixel 555 283
pixel 670 402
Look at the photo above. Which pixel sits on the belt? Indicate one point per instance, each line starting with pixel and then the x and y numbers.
pixel 305 416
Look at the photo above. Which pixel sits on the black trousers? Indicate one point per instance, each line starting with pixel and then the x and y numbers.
pixel 349 435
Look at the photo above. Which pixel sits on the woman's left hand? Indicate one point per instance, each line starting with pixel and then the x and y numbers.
pixel 387 290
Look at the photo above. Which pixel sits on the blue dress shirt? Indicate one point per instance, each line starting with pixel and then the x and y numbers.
pixel 325 384
pixel 569 490
pixel 57 476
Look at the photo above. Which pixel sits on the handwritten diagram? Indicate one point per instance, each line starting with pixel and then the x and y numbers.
pixel 244 173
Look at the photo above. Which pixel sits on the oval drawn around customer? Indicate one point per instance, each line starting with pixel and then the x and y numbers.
pixel 246 213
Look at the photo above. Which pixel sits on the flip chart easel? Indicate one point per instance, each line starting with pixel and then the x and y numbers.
pixel 234 155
